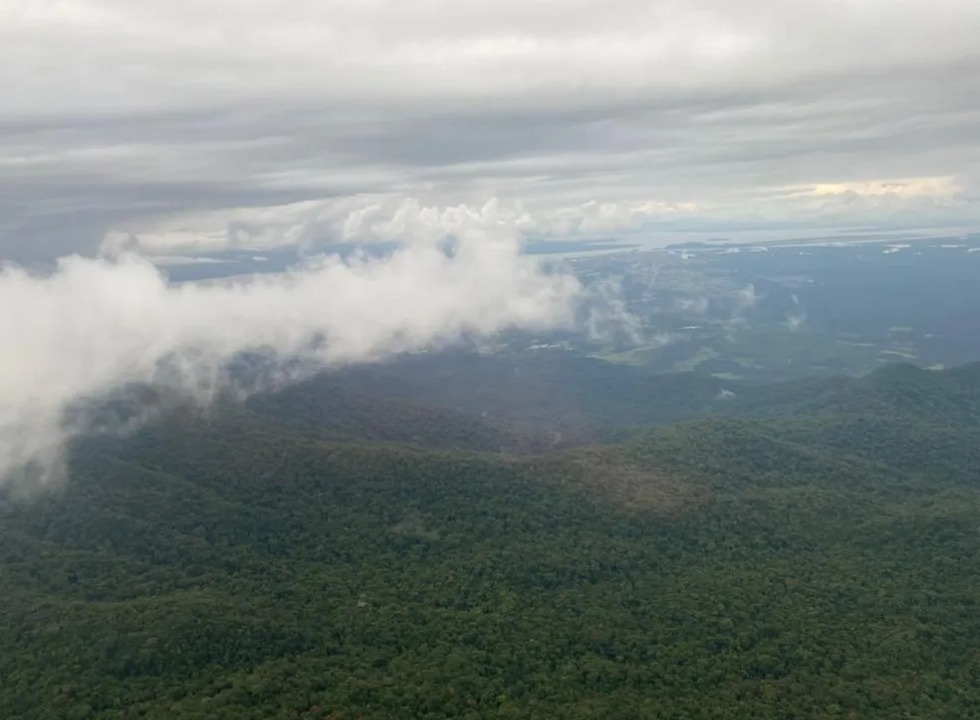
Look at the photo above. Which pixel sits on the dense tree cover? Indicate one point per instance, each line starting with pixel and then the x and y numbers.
pixel 820 561
pixel 339 412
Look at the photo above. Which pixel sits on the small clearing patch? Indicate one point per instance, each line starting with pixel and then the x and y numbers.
pixel 608 477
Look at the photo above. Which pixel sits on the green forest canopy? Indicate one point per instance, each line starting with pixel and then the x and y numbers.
pixel 815 555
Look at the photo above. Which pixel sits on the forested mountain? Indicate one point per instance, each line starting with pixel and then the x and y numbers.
pixel 810 550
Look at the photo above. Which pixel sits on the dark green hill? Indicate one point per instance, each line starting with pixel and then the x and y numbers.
pixel 950 397
pixel 817 561
pixel 566 397
pixel 341 413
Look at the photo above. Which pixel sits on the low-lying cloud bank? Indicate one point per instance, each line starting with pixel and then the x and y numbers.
pixel 95 325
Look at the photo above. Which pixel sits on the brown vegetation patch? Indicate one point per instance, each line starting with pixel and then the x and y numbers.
pixel 607 476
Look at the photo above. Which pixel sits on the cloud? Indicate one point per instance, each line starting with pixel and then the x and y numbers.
pixel 745 299
pixel 95 325
pixel 795 320
pixel 696 305
pixel 607 318
pixel 903 187
pixel 370 218
pixel 594 117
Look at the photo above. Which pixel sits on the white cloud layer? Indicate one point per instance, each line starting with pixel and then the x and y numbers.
pixel 96 325
pixel 373 219
pixel 592 116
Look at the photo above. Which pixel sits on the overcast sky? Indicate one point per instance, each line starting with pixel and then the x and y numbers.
pixel 184 125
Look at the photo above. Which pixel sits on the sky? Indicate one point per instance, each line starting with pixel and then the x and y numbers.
pixel 186 126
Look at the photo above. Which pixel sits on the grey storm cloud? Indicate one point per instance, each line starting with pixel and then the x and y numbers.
pixel 122 116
